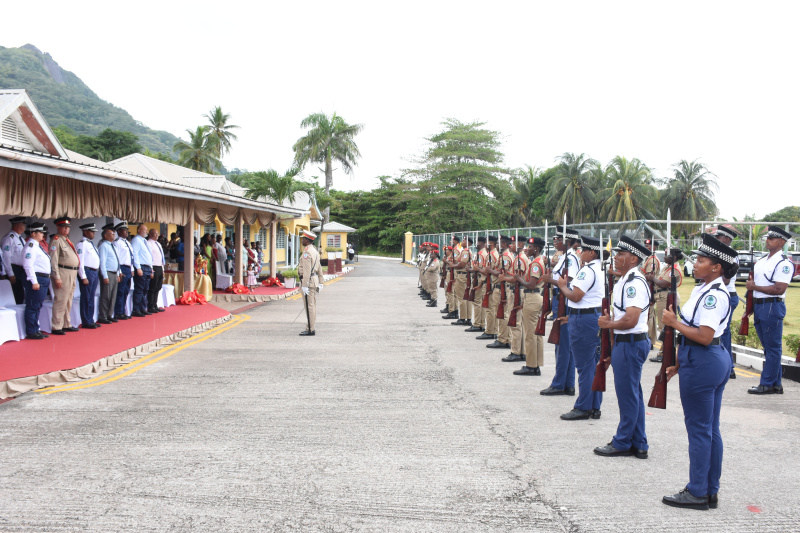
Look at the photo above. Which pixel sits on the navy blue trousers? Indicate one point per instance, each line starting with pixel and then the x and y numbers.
pixel 87 297
pixel 627 358
pixel 584 343
pixel 33 303
pixel 768 319
pixel 141 284
pixel 725 339
pixel 123 289
pixel 565 364
pixel 704 371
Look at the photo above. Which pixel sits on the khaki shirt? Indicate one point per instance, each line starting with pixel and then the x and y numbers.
pixel 431 273
pixel 309 265
pixel 62 252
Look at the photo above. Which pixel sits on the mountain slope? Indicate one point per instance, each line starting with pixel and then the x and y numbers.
pixel 64 99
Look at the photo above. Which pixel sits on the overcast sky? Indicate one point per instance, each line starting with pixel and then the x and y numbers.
pixel 715 81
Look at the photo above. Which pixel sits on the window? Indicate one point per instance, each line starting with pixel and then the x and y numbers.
pixel 246 233
pixel 280 238
pixel 262 238
pixel 11 134
pixel 211 229
pixel 334 241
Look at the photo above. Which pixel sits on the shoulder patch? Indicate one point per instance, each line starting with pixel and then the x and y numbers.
pixel 581 275
pixel 30 244
pixel 79 249
pixel 305 255
pixel 536 268
pixel 710 302
pixel 5 247
pixel 52 247
pixel 28 255
pixel 785 269
pixel 630 292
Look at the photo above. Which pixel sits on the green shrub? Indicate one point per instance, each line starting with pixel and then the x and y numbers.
pixel 792 343
pixel 289 273
pixel 751 340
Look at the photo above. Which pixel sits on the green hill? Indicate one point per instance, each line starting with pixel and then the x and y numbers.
pixel 64 99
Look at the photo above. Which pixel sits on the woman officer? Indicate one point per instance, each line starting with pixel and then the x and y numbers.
pixel 704 366
pixel 36 263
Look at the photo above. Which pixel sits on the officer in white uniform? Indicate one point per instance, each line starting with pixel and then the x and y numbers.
pixel 726 236
pixel 87 275
pixel 125 255
pixel 12 244
pixel 36 269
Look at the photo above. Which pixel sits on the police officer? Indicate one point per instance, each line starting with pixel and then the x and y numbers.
pixel 650 268
pixel 478 265
pixel 771 277
pixel 704 367
pixel 491 325
pixel 584 296
pixel 12 244
pixel 310 271
pixel 567 267
pixel 422 260
pixel 631 301
pixel 530 282
pixel 430 277
pixel 109 275
pixel 460 263
pixel 518 267
pixel 125 255
pixel 36 268
pixel 64 264
pixel 505 264
pixel 87 274
pixel 726 236
pixel 661 284
pixel 142 262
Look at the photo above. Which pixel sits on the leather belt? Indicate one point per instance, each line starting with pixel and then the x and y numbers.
pixel 767 300
pixel 68 268
pixel 733 293
pixel 42 274
pixel 661 290
pixel 586 311
pixel 111 271
pixel 461 271
pixel 528 291
pixel 689 342
pixel 496 285
pixel 90 268
pixel 630 337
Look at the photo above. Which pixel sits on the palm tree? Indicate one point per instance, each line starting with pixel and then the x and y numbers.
pixel 277 188
pixel 523 199
pixel 689 194
pixel 329 139
pixel 631 195
pixel 220 130
pixel 572 190
pixel 199 153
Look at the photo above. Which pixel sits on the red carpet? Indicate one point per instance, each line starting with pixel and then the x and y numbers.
pixel 64 352
pixel 264 291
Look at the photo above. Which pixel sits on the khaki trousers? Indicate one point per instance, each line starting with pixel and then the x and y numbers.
pixel 62 301
pixel 312 302
pixel 492 324
pixel 516 331
pixel 458 295
pixel 534 344
pixel 477 311
pixel 503 335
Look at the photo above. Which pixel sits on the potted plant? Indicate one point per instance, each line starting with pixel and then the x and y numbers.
pixel 290 278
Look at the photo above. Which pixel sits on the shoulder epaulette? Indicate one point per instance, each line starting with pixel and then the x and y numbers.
pixel 631 275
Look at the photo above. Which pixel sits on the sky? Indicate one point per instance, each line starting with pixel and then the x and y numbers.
pixel 658 81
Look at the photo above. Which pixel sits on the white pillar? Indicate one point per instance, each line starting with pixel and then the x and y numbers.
pixel 239 261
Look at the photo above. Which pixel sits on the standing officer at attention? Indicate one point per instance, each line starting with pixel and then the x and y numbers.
pixel 87 273
pixel 771 277
pixel 584 300
pixel 460 263
pixel 422 260
pixel 64 263
pixel 490 313
pixel 157 279
pixel 534 344
pixel 36 268
pixel 650 268
pixel 143 262
pixel 430 276
pixel 109 274
pixel 503 265
pixel 662 283
pixel 631 300
pixel 518 268
pixel 12 245
pixel 125 255
pixel 310 271
pixel 478 264
pixel 726 236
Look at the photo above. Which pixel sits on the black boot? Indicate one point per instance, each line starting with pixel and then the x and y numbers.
pixel 450 316
pixel 432 303
pixel 445 310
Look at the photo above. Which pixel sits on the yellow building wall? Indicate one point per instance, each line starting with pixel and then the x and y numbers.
pixel 324 243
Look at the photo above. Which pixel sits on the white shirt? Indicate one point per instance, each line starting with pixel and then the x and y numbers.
pixel 12 245
pixel 34 260
pixel 157 252
pixel 555 273
pixel 123 251
pixel 771 270
pixel 573 263
pixel 591 281
pixel 709 306
pixel 222 255
pixel 88 255
pixel 631 290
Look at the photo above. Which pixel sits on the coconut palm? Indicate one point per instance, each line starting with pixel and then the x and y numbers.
pixel 220 130
pixel 329 140
pixel 200 152
pixel 522 202
pixel 689 194
pixel 572 190
pixel 277 188
pixel 631 195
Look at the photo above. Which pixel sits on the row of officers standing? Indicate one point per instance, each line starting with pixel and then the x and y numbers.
pixel 638 303
pixel 31 266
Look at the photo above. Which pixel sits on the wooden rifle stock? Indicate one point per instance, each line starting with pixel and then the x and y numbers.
pixel 547 304
pixel 599 382
pixel 452 279
pixel 501 308
pixel 474 286
pixel 658 398
pixel 744 328
pixel 512 317
pixel 468 287
pixel 443 277
pixel 555 331
pixel 488 293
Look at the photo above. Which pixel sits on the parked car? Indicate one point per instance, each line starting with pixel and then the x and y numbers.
pixel 746 262
pixel 794 257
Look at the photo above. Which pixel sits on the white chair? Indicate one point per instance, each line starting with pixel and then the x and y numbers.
pixel 167 295
pixel 8 325
pixel 7 300
pixel 223 280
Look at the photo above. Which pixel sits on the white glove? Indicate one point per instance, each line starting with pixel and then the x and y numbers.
pixel 305 291
pixel 319 288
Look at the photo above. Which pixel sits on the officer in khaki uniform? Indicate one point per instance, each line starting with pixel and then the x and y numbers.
pixel 310 272
pixel 504 265
pixel 531 283
pixel 519 266
pixel 452 299
pixel 461 262
pixel 490 313
pixel 650 268
pixel 430 276
pixel 478 264
pixel 63 271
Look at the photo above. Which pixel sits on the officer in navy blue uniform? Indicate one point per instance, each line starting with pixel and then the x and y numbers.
pixel 726 235
pixel 584 296
pixel 36 268
pixel 771 277
pixel 12 244
pixel 704 366
pixel 631 301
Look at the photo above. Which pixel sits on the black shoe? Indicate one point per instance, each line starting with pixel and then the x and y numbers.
pixel 513 358
pixel 777 390
pixel 459 322
pixel 762 389
pixel 609 451
pixel 432 303
pixel 70 329
pixel 450 316
pixel 485 336
pixel 137 314
pixel 713 500
pixel 733 373
pixel 89 326
pixel 569 391
pixel 657 359
pixel 594 414
pixel 550 391
pixel 104 321
pixel 576 414
pixel 307 333
pixel 445 310
pixel 528 371
pixel 57 332
pixel 639 453
pixel 426 297
pixel 148 312
pixel 160 309
pixel 685 499
pixel 36 336
pixel 473 329
pixel 113 320
pixel 123 317
pixel 498 344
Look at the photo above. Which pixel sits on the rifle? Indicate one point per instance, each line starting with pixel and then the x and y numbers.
pixel 501 307
pixel 546 304
pixel 658 398
pixel 443 272
pixel 468 287
pixel 512 317
pixel 452 279
pixel 599 382
pixel 488 283
pixel 555 331
pixel 744 328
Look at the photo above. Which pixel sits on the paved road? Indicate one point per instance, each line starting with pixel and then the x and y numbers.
pixel 389 419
